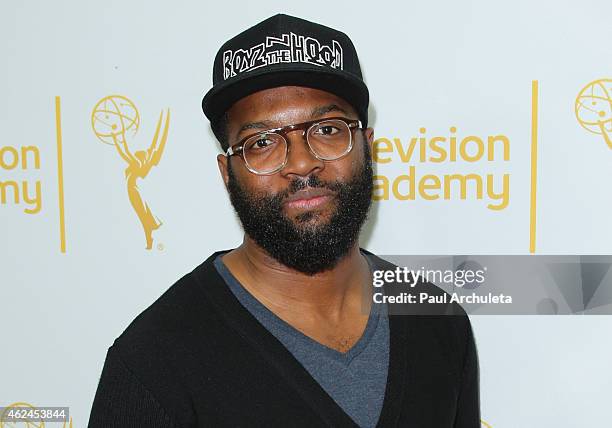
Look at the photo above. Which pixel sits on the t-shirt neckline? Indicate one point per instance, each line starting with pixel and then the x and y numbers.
pixel 259 309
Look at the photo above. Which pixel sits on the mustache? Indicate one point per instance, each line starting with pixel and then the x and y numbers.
pixel 297 184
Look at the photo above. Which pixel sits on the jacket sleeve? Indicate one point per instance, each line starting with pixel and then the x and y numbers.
pixel 121 400
pixel 468 407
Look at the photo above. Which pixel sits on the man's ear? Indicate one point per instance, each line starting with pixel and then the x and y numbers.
pixel 222 161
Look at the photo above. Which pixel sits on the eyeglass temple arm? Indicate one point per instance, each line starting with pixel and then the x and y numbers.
pixel 230 151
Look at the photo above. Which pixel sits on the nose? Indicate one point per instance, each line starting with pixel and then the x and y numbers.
pixel 300 160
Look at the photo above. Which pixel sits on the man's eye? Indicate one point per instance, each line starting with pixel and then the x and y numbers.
pixel 261 143
pixel 327 130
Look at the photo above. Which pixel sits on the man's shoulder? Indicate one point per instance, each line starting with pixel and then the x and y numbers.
pixel 173 317
pixel 159 355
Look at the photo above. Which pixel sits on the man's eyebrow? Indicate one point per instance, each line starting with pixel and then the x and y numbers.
pixel 315 113
pixel 320 111
pixel 253 125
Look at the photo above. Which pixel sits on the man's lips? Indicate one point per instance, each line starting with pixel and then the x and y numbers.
pixel 308 198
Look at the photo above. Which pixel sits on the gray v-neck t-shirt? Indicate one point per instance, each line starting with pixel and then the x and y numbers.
pixel 356 380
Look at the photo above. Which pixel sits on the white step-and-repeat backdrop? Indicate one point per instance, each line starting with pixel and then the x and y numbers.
pixel 493 122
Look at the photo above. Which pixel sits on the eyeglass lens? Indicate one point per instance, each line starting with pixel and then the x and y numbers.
pixel 267 152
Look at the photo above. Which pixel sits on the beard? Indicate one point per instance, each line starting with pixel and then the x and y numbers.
pixel 304 244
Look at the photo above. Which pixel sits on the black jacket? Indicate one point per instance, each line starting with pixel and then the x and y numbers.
pixel 197 358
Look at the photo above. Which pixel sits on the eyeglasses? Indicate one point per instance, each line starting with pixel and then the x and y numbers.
pixel 267 152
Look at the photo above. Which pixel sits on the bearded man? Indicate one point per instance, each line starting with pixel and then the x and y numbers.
pixel 281 331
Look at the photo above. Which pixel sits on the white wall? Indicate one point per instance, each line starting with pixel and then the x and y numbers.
pixel 435 64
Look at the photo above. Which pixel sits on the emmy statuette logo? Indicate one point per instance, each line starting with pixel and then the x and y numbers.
pixel 594 109
pixel 115 121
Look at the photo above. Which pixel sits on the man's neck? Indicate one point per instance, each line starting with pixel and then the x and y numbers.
pixel 329 295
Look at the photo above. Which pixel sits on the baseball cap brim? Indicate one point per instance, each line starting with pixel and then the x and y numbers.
pixel 222 96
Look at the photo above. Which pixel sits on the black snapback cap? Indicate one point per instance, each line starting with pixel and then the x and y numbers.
pixel 285 51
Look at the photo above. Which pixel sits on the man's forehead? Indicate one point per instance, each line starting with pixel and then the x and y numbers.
pixel 286 99
pixel 287 103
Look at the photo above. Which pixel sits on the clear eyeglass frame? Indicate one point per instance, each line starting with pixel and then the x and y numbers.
pixel 305 127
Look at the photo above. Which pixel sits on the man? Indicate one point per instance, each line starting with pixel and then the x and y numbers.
pixel 281 331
